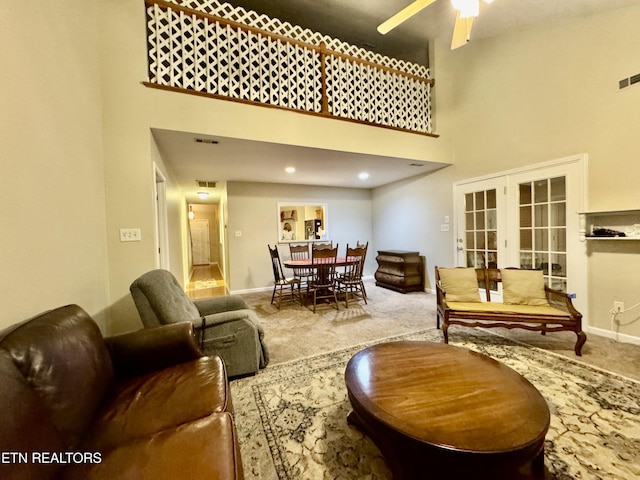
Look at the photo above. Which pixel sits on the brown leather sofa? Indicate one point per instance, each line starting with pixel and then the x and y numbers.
pixel 142 405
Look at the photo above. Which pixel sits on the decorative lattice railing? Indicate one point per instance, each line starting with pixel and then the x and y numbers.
pixel 214 49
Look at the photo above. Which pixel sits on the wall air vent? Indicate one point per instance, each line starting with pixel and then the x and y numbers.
pixel 206 184
pixel 627 82
pixel 206 140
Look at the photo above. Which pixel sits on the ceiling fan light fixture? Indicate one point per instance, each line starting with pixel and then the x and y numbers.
pixel 467 8
pixel 403 15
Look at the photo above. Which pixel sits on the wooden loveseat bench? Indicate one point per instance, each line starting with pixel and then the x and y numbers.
pixel 527 302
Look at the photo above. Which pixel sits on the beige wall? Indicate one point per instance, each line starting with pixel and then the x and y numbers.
pixel 77 160
pixel 52 197
pixel 533 96
pixel 253 212
pixel 131 110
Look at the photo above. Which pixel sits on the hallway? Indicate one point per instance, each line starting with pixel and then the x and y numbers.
pixel 206 281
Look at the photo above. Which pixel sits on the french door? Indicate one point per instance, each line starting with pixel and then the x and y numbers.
pixel 481 220
pixel 526 219
pixel 542 228
pixel 480 224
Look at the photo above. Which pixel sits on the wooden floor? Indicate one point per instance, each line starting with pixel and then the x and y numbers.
pixel 206 281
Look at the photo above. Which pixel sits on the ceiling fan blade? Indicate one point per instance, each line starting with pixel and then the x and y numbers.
pixel 461 31
pixel 403 15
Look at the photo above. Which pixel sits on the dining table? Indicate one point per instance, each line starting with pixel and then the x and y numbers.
pixel 308 263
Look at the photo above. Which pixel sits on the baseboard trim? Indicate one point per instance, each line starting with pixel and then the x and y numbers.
pixel 250 290
pixel 618 337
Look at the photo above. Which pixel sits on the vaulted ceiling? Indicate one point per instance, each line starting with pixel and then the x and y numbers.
pixel 353 21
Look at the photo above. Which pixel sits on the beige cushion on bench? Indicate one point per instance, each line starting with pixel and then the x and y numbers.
pixel 459 284
pixel 523 287
pixel 489 307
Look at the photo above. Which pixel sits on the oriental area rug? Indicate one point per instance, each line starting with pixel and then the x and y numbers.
pixel 292 417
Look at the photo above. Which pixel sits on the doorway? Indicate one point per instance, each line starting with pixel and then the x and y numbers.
pixel 526 218
pixel 200 241
pixel 481 226
pixel 160 219
pixel 207 251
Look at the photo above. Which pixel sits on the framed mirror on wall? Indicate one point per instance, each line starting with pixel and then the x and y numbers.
pixel 302 222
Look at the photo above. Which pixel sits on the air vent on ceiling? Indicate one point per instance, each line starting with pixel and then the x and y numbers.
pixel 627 82
pixel 416 164
pixel 206 140
pixel 206 184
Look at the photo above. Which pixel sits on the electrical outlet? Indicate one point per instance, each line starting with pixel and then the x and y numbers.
pixel 130 235
pixel 618 307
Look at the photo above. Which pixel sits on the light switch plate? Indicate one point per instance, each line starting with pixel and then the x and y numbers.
pixel 130 235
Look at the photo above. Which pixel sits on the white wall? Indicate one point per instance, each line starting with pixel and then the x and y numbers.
pixel 532 96
pixel 132 110
pixel 253 211
pixel 52 197
pixel 73 103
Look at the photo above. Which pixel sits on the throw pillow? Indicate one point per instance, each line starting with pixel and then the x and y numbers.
pixel 460 284
pixel 523 287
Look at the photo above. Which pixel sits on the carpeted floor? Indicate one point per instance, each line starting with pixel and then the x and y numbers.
pixel 295 332
pixel 291 417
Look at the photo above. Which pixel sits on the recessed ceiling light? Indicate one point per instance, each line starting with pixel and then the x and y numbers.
pixel 363 175
pixel 290 169
pixel 203 195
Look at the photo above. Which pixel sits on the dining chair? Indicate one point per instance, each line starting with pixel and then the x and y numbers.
pixel 301 252
pixel 323 283
pixel 280 281
pixel 321 245
pixel 350 282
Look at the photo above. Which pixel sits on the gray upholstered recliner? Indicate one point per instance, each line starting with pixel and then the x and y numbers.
pixel 226 325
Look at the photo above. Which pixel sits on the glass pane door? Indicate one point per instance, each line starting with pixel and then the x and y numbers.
pixel 481 229
pixel 527 218
pixel 481 226
pixel 543 229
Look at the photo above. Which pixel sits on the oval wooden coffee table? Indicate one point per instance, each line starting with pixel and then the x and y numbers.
pixel 440 411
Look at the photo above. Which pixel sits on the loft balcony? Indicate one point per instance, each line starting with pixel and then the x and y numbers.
pixel 213 49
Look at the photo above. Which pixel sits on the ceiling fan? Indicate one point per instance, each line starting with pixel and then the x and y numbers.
pixel 466 11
